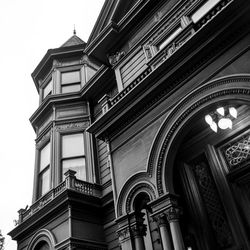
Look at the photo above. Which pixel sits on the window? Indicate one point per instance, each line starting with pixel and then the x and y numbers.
pixel 47 90
pixel 73 155
pixel 89 72
pixel 70 81
pixel 169 38
pixel 44 170
pixel 204 9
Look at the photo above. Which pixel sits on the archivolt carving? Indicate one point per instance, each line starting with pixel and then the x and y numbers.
pixel 137 183
pixel 223 88
pixel 141 187
pixel 42 235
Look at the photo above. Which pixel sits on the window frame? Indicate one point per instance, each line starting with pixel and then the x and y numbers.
pixel 40 173
pixel 60 155
pixel 62 70
pixel 48 80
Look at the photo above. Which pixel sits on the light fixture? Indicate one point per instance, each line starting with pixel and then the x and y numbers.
pixel 221 118
pixel 233 112
pixel 221 111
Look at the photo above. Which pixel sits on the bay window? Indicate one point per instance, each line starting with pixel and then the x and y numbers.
pixel 44 170
pixel 73 155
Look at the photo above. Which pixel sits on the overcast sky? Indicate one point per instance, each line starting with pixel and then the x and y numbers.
pixel 28 29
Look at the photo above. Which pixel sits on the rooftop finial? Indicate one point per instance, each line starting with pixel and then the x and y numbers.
pixel 74 31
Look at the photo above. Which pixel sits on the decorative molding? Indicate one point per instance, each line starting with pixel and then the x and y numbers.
pixel 170 22
pixel 141 187
pixel 238 152
pixel 72 126
pixel 116 57
pixel 43 139
pixel 138 230
pixel 173 214
pixel 137 183
pixel 123 234
pixel 42 235
pixel 160 219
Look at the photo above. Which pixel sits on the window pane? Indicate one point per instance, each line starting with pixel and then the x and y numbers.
pixel 71 88
pixel 89 72
pixel 44 182
pixel 77 165
pixel 72 145
pixel 48 89
pixel 169 38
pixel 203 10
pixel 70 77
pixel 45 157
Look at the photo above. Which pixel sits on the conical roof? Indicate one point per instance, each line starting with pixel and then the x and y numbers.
pixel 74 40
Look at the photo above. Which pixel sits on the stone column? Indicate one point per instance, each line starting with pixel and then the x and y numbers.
pixel 173 215
pixel 164 232
pixel 138 231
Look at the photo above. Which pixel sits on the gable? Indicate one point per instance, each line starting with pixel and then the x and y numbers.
pixel 112 11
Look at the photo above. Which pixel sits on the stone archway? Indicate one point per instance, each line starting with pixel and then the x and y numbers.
pixel 236 87
pixel 43 239
pixel 233 88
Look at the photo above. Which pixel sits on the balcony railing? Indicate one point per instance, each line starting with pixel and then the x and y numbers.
pixel 70 182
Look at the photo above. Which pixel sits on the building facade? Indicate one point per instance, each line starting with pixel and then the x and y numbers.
pixel 143 132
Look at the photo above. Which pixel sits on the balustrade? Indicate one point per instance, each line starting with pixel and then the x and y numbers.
pixel 70 182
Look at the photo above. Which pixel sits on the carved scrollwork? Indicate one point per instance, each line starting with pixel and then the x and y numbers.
pixel 160 219
pixel 123 234
pixel 173 214
pixel 115 58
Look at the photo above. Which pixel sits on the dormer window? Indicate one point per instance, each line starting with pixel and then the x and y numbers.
pixel 47 90
pixel 70 81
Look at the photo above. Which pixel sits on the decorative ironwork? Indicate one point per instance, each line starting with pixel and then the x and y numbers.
pixel 213 205
pixel 239 152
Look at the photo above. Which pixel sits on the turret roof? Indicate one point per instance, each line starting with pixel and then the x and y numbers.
pixel 74 40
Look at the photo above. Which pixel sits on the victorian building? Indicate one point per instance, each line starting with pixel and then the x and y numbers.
pixel 143 132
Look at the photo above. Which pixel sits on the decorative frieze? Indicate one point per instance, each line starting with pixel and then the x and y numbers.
pixel 72 126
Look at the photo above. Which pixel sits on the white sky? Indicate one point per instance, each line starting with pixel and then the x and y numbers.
pixel 28 29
